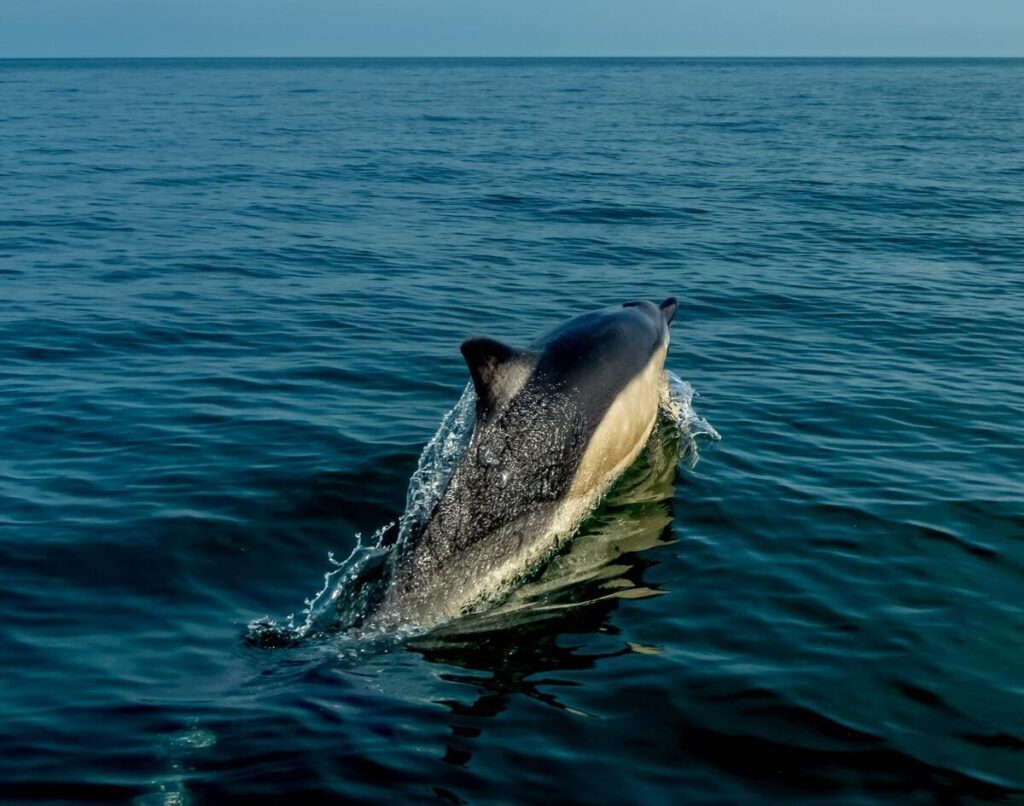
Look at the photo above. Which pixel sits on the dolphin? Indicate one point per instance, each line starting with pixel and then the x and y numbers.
pixel 556 425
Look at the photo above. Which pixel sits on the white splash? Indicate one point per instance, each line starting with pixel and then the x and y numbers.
pixel 346 593
pixel 677 404
pixel 438 461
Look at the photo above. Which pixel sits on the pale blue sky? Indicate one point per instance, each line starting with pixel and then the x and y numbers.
pixel 511 27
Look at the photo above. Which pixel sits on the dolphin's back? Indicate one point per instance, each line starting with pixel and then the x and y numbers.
pixel 594 356
pixel 554 426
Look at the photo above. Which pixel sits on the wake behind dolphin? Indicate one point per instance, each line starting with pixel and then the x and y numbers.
pixel 538 438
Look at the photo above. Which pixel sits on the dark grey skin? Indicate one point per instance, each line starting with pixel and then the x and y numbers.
pixel 537 411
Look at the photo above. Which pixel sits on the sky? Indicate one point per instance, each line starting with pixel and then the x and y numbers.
pixel 53 28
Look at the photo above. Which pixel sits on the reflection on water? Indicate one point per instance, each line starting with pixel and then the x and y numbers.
pixel 503 651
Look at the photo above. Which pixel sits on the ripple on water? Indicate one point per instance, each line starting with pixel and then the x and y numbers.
pixel 224 345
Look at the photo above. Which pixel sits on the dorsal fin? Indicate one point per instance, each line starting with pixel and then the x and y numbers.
pixel 668 309
pixel 498 371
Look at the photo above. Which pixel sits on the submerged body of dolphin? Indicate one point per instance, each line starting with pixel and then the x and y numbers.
pixel 556 425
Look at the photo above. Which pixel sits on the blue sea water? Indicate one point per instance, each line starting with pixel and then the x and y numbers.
pixel 232 297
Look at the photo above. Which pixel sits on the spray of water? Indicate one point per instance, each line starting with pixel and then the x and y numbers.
pixel 677 406
pixel 353 586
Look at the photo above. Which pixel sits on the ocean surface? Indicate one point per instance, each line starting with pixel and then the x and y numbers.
pixel 233 293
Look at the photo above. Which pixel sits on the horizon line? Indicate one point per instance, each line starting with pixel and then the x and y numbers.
pixel 528 57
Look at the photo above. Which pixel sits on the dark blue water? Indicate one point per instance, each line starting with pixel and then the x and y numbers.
pixel 232 298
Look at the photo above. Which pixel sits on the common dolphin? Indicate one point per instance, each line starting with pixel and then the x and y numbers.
pixel 556 424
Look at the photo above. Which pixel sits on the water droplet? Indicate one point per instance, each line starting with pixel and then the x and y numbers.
pixel 487 457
